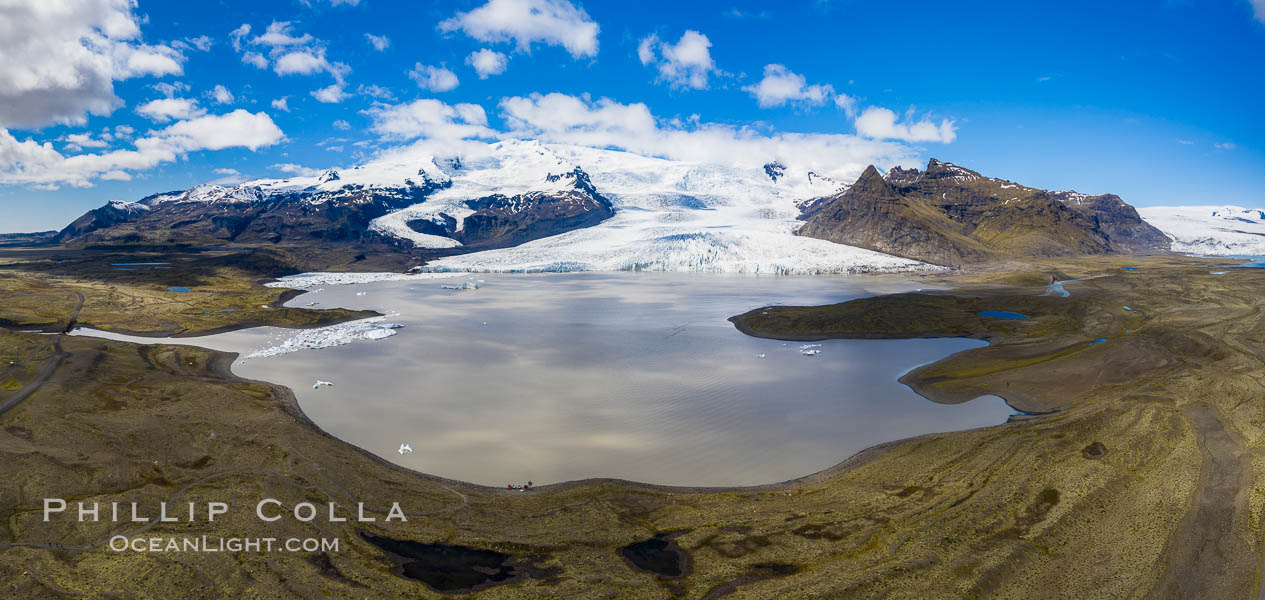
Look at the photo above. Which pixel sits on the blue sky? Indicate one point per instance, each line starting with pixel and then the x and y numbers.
pixel 1156 101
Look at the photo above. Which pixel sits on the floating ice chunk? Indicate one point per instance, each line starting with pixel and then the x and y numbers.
pixel 312 303
pixel 361 293
pixel 810 349
pixel 373 328
pixel 320 383
pixel 469 285
pixel 405 448
pixel 759 356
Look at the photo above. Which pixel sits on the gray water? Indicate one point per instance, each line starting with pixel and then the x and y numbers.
pixel 556 377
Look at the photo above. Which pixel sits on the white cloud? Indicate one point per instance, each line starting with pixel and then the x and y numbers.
pixel 606 123
pixel 1226 146
pixel 881 124
pixel 435 79
pixel 235 36
pixel 780 85
pixel 375 91
pixel 255 59
pixel 170 89
pixel 221 95
pixel 76 142
pixel 239 128
pixel 294 169
pixel 60 59
pixel 280 33
pixel 202 42
pixel 646 49
pixel 555 22
pixel 281 104
pixel 430 119
pixel 299 62
pixel 32 163
pixel 288 53
pixel 379 42
pixel 342 125
pixel 1258 9
pixel 167 109
pixel 685 64
pixel 848 104
pixel 227 176
pixel 487 62
pixel 332 94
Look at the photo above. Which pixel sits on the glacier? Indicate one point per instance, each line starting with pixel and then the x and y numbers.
pixel 669 215
pixel 1210 230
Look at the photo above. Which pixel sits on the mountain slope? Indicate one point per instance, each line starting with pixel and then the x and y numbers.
pixel 346 208
pixel 950 215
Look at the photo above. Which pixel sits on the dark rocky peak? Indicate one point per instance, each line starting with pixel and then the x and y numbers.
pixel 937 169
pixel 871 183
pixel 581 179
pixel 901 176
pixel 774 170
pixel 330 175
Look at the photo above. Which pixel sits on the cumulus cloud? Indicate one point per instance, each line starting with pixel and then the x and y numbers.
pixel 605 123
pixel 294 169
pixel 780 85
pixel 487 62
pixel 281 104
pixel 685 64
pixel 235 36
pixel 332 94
pixel 280 34
pixel 289 53
pixel 32 163
pixel 375 91
pixel 435 79
pixel 300 62
pixel 524 22
pixel 848 104
pixel 881 124
pixel 342 125
pixel 379 42
pixel 61 58
pixel 170 89
pixel 221 95
pixel 167 109
pixel 430 119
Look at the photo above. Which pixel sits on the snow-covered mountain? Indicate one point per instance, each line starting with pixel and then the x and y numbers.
pixel 680 216
pixel 512 205
pixel 1212 230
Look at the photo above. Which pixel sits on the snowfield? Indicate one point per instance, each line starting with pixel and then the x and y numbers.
pixel 1211 230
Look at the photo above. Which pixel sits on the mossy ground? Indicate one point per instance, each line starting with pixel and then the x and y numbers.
pixel 1019 510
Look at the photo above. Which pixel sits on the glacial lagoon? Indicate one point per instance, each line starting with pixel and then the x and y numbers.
pixel 557 377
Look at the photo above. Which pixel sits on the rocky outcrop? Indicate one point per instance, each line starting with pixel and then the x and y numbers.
pixel 950 215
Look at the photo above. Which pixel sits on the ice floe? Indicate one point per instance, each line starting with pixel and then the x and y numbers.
pixel 373 328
